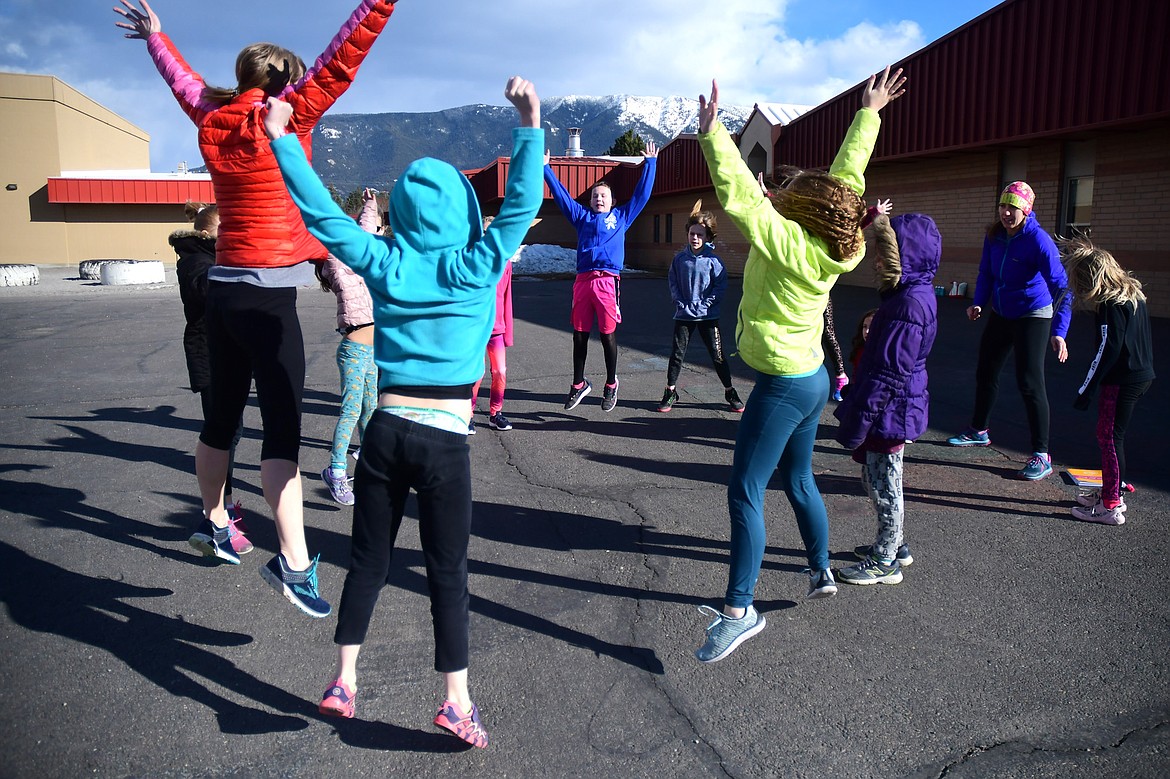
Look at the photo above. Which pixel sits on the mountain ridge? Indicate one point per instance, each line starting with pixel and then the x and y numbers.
pixel 352 151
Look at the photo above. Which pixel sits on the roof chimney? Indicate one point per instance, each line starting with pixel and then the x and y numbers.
pixel 574 149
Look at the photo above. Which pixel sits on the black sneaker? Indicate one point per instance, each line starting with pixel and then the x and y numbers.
pixel 471 428
pixel 821 584
pixel 904 557
pixel 733 400
pixel 299 587
pixel 609 397
pixel 214 542
pixel 577 394
pixel 669 398
pixel 499 421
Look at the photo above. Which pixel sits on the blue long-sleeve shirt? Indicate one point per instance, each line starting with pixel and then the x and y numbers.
pixel 601 238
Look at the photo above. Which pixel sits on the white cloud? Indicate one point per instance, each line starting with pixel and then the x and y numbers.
pixel 436 55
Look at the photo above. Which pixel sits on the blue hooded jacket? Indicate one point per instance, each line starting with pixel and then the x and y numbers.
pixel 1022 273
pixel 601 238
pixel 434 283
pixel 888 400
pixel 697 284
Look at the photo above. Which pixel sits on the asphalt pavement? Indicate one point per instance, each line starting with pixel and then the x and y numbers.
pixel 1021 643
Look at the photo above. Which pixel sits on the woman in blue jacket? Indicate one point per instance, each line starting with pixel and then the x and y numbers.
pixel 1022 280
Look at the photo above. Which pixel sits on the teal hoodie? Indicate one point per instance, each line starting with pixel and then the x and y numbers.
pixel 434 283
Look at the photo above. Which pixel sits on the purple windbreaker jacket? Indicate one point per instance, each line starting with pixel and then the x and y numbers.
pixel 889 399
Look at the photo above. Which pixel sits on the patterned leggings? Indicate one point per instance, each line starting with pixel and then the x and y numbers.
pixel 359 396
pixel 882 477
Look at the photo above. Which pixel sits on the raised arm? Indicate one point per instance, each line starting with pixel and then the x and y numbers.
pixel 853 156
pixel 523 192
pixel 186 85
pixel 338 65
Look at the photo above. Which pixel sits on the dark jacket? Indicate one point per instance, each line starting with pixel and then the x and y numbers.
pixel 889 400
pixel 1022 273
pixel 196 256
pixel 1125 350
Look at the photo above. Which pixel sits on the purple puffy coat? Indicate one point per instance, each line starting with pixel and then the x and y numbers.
pixel 889 399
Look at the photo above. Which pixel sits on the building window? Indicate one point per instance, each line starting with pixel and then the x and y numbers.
pixel 669 228
pixel 1013 166
pixel 1076 216
pixel 657 220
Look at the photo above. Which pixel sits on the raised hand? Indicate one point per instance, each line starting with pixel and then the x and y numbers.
pixel 709 109
pixel 522 94
pixel 884 207
pixel 143 23
pixel 882 90
pixel 651 150
pixel 276 118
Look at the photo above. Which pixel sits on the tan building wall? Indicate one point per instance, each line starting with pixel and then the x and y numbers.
pixel 47 128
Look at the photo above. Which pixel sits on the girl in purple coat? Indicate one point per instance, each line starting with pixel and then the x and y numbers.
pixel 889 402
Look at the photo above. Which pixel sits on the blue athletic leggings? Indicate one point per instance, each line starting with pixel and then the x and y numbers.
pixel 359 396
pixel 779 426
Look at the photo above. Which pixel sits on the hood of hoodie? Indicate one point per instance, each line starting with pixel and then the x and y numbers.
pixel 433 208
pixel 920 247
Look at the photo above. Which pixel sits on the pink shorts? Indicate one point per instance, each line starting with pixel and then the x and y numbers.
pixel 596 294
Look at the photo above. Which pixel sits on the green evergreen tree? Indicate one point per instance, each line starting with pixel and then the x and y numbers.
pixel 628 144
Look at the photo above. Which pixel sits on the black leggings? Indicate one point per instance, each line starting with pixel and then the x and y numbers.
pixel 709 331
pixel 1028 336
pixel 398 454
pixel 205 401
pixel 581 350
pixel 254 332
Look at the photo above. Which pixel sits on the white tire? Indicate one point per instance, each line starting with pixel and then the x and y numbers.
pixel 91 270
pixel 141 272
pixel 19 275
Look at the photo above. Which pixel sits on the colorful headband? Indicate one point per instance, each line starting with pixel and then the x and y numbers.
pixel 1018 194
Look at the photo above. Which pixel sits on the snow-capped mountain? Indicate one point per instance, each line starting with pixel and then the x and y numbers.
pixel 351 151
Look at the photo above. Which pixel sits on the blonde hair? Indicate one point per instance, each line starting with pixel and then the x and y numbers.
pixel 260 66
pixel 1095 277
pixel 202 214
pixel 889 267
pixel 705 218
pixel 826 207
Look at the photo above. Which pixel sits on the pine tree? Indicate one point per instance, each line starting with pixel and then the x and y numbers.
pixel 627 145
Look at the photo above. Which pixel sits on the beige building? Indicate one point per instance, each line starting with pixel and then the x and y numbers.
pixel 76 180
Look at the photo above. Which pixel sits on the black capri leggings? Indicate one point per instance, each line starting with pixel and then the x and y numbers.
pixel 254 332
pixel 1028 337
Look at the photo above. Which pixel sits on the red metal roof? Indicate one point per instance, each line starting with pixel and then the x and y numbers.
pixel 130 191
pixel 1024 69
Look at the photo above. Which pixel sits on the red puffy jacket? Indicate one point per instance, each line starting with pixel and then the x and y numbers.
pixel 260 227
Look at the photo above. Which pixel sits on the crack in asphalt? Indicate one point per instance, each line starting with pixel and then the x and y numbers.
pixel 1026 748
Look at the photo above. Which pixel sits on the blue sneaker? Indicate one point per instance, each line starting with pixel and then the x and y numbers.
pixel 725 633
pixel 905 559
pixel 299 587
pixel 971 437
pixel 821 584
pixel 1039 465
pixel 214 542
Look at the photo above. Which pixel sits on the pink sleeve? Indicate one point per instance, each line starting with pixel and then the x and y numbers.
pixel 186 84
pixel 368 218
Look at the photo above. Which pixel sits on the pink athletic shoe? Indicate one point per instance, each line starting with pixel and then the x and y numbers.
pixel 240 542
pixel 339 701
pixel 466 726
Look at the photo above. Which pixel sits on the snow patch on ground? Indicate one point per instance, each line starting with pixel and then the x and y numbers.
pixel 546 260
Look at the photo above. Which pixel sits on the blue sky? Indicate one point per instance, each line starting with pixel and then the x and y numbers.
pixel 438 54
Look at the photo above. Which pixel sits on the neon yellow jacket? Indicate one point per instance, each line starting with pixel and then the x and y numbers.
pixel 789 272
